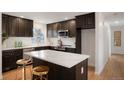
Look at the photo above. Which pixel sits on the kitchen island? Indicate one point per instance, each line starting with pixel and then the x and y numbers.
pixel 63 65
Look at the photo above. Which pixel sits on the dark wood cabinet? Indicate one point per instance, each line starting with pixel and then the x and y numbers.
pixel 55 30
pixel 71 50
pixel 58 72
pixel 21 27
pixel 17 27
pixel 9 58
pixel 13 26
pixel 78 41
pixel 52 30
pixel 69 25
pixel 64 25
pixel 79 22
pixel 86 21
pixel 49 30
pixel 5 24
pixel 42 48
pixel 28 28
pixel 72 28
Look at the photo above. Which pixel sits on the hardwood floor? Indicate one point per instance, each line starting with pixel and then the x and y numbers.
pixel 17 74
pixel 114 70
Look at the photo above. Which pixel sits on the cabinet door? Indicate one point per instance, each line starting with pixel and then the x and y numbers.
pixel 13 26
pixel 52 30
pixel 90 20
pixel 21 27
pixel 71 50
pixel 72 28
pixel 58 26
pixel 42 48
pixel 9 58
pixel 64 25
pixel 49 30
pixel 86 21
pixel 28 28
pixel 5 24
pixel 55 30
pixel 79 22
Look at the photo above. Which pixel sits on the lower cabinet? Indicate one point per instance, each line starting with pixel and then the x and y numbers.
pixel 42 48
pixel 9 58
pixel 71 50
pixel 57 72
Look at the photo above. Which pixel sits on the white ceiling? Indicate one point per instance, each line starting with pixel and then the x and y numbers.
pixel 114 18
pixel 50 17
pixel 47 17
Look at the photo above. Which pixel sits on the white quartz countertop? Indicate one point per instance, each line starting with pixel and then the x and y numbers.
pixel 32 46
pixel 23 47
pixel 60 58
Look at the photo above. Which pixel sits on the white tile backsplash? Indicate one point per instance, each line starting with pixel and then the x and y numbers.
pixel 10 42
pixel 27 41
pixel 65 41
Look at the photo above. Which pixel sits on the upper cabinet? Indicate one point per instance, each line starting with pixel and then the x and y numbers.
pixel 69 25
pixel 72 28
pixel 17 27
pixel 86 21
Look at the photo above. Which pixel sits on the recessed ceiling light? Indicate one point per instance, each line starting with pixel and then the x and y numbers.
pixel 116 22
pixel 22 16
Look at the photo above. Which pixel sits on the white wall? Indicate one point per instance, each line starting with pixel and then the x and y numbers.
pixel 107 41
pixel 102 43
pixel 114 49
pixel 88 44
pixel 0 46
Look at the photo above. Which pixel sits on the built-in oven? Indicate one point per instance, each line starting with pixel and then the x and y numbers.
pixel 63 33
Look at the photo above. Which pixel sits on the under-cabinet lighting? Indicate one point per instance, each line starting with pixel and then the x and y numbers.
pixel 66 18
pixel 22 16
pixel 116 22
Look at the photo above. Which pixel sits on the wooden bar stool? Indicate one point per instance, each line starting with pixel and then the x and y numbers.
pixel 23 63
pixel 41 72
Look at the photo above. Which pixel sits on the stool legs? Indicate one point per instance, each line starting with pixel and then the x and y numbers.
pixel 19 73
pixel 24 73
pixel 31 72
